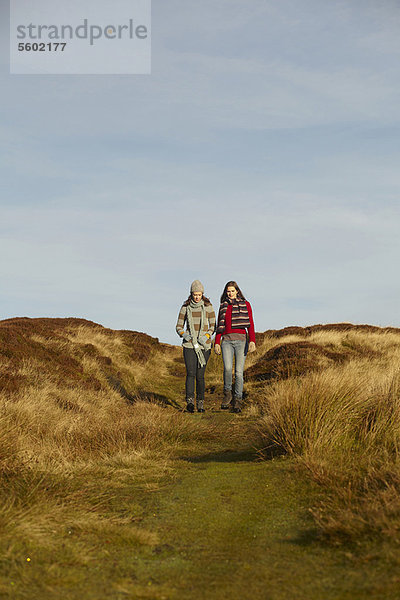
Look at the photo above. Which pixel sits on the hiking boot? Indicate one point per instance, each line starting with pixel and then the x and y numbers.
pixel 190 405
pixel 237 404
pixel 227 399
pixel 200 404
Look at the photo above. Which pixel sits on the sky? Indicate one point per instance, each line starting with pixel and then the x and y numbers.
pixel 263 148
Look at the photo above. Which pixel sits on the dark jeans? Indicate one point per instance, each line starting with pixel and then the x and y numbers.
pixel 195 373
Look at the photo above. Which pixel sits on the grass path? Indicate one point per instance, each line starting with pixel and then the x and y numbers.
pixel 234 527
pixel 215 523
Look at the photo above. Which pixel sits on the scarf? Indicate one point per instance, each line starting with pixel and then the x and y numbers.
pixel 240 315
pixel 196 306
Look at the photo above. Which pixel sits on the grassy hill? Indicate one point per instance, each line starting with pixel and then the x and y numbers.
pixel 330 396
pixel 91 419
pixel 74 353
pixel 81 407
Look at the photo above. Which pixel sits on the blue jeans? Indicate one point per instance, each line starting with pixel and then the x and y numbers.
pixel 230 348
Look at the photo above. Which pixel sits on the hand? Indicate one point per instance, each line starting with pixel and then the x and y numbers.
pixel 252 347
pixel 203 340
pixel 186 337
pixel 217 349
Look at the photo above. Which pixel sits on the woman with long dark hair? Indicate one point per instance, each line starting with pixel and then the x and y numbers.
pixel 235 337
pixel 196 325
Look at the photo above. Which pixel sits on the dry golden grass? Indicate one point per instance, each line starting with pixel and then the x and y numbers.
pixel 343 424
pixel 83 409
pixel 63 473
pixel 75 426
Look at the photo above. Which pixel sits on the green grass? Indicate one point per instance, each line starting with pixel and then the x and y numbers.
pixel 106 497
pixel 211 522
pixel 233 528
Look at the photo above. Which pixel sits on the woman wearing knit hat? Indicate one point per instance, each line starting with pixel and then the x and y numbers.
pixel 235 330
pixel 196 325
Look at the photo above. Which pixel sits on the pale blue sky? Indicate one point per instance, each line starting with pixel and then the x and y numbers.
pixel 264 147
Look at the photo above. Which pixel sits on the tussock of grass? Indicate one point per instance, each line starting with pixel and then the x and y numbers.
pixel 84 415
pixel 87 430
pixel 63 497
pixel 343 423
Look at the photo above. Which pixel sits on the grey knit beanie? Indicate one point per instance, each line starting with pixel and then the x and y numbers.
pixel 197 286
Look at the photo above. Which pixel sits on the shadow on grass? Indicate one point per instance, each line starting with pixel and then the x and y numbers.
pixel 226 456
pixel 146 396
pixel 308 537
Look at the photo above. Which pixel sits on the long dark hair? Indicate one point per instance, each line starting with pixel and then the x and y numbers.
pixel 206 301
pixel 224 296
